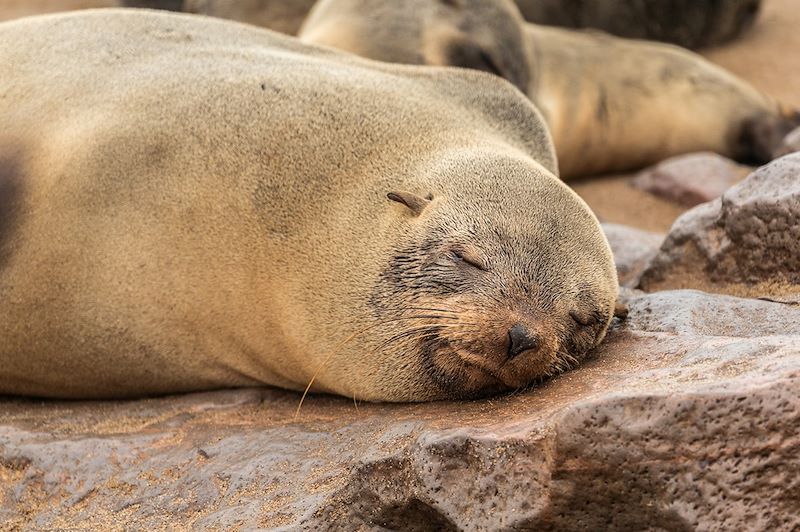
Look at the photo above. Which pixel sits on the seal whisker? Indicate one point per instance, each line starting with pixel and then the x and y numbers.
pixel 433 309
pixel 330 356
pixel 342 344
pixel 419 316
pixel 411 332
pixel 419 335
pixel 571 359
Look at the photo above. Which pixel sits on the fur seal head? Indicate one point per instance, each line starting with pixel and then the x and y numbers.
pixel 473 34
pixel 493 287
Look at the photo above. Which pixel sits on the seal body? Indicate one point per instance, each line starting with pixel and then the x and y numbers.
pixel 612 104
pixel 190 203
pixel 616 104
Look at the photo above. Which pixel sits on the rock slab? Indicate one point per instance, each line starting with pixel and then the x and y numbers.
pixel 748 241
pixel 685 419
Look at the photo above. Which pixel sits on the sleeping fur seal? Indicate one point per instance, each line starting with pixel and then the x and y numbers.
pixel 188 203
pixel 611 104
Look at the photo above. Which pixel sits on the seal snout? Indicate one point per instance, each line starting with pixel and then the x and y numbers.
pixel 520 340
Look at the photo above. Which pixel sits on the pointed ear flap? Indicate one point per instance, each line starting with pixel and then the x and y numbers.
pixel 412 201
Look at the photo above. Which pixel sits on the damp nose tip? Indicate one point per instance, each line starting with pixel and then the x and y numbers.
pixel 520 340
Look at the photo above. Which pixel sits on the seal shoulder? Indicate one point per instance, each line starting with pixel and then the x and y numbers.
pixel 148 57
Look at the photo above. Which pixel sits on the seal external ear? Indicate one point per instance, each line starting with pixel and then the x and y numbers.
pixel 412 201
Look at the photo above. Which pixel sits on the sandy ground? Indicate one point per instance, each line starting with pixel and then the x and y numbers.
pixel 768 56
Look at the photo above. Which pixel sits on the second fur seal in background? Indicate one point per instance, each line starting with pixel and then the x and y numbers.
pixel 611 104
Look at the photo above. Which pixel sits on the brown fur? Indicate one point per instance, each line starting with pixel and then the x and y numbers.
pixel 611 104
pixel 229 207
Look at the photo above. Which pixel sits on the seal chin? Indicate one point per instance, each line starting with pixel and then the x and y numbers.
pixel 464 373
pixel 493 374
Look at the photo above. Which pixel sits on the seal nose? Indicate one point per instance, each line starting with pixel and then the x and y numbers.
pixel 519 340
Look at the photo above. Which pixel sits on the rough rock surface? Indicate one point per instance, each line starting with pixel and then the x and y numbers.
pixel 686 419
pixel 748 241
pixel 691 179
pixel 633 249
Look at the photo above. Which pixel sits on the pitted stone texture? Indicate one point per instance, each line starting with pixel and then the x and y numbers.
pixel 633 249
pixel 691 179
pixel 695 313
pixel 748 241
pixel 685 419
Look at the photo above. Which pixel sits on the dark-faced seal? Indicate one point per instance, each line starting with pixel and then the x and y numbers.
pixel 611 104
pixel 189 203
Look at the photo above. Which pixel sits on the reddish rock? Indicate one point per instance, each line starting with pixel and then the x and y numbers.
pixel 691 179
pixel 686 419
pixel 748 241
pixel 633 249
